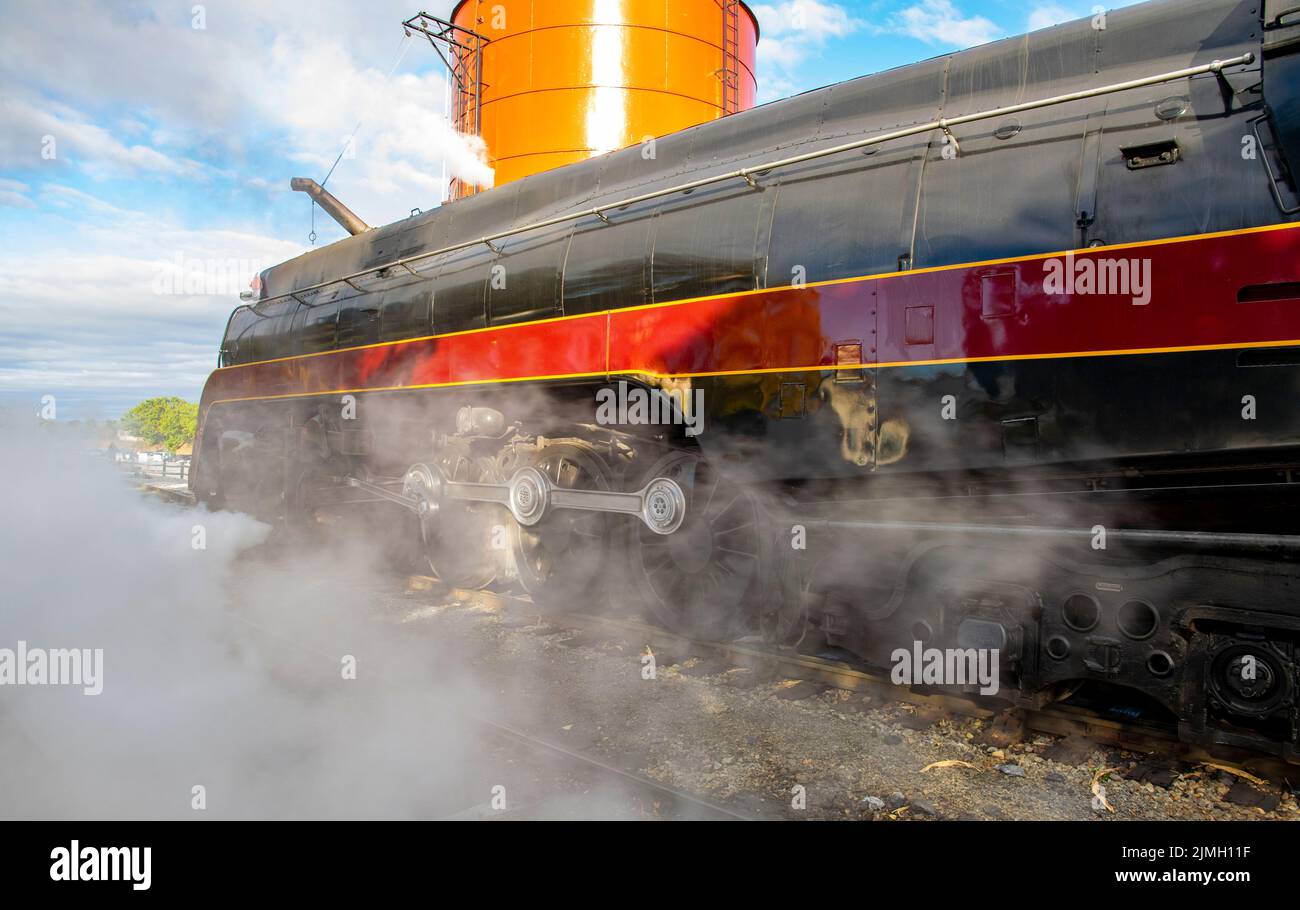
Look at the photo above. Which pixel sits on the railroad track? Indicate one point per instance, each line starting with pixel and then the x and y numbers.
pixel 642 795
pixel 1056 719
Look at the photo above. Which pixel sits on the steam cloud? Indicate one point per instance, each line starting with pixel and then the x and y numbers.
pixel 222 669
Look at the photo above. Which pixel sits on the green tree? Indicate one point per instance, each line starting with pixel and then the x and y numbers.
pixel 167 421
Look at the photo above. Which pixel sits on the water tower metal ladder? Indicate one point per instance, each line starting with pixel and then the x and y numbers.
pixel 730 72
pixel 461 51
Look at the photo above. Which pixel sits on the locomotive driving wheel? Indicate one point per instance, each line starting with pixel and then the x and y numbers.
pixel 711 578
pixel 461 538
pixel 562 560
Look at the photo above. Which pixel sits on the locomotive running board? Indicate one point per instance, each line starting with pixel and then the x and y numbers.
pixel 529 495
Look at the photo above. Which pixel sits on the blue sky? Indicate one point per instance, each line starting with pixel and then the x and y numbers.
pixel 142 138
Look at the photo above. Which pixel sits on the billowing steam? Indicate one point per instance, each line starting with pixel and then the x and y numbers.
pixel 222 668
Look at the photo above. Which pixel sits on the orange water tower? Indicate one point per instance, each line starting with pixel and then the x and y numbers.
pixel 550 82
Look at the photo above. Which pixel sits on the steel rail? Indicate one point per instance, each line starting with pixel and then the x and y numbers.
pixel 748 174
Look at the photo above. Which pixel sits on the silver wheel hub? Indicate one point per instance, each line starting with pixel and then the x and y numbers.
pixel 663 506
pixel 529 495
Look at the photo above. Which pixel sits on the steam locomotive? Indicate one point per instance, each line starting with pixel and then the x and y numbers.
pixel 998 350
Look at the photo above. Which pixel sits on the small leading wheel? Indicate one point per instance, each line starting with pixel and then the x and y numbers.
pixel 563 559
pixel 711 578
pixel 463 541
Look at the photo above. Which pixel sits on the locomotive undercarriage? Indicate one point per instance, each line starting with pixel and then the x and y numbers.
pixel 1193 628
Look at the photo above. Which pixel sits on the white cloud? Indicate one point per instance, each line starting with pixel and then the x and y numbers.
pixel 1050 14
pixel 149 101
pixel 67 197
pixel 146 101
pixel 44 133
pixel 254 80
pixel 14 194
pixel 88 316
pixel 789 33
pixel 810 19
pixel 941 22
